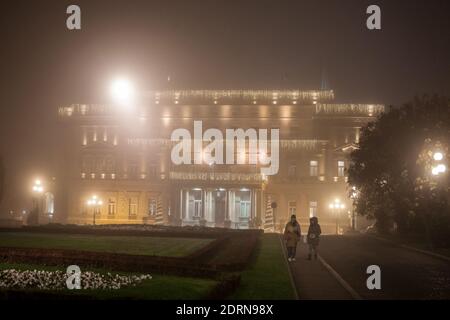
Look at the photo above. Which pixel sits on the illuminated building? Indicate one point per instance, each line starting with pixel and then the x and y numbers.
pixel 123 155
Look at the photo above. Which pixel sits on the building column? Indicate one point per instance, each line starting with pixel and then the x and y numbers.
pixel 204 206
pixel 227 206
pixel 323 161
pixel 209 212
pixel 231 205
pixel 181 204
pixel 186 208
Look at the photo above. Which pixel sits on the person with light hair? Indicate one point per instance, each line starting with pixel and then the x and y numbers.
pixel 292 235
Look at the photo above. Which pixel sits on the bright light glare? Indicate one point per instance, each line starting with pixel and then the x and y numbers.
pixel 122 91
pixel 441 168
pixel 438 156
pixel 435 171
pixel 38 186
pixel 94 201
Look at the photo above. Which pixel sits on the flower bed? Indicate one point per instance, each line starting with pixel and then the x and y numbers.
pixel 56 280
pixel 105 260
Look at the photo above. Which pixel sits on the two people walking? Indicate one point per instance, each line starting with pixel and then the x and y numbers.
pixel 293 234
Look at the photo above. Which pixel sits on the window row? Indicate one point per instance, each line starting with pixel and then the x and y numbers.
pixel 314 169
pixel 131 206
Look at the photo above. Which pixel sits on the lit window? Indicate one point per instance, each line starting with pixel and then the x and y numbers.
pixel 113 176
pixel 132 208
pixel 341 168
pixel 92 175
pixel 243 203
pixel 195 203
pixel 312 209
pixel 313 168
pixel 111 207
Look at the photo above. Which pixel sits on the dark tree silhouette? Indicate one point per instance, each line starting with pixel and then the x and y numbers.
pixel 392 169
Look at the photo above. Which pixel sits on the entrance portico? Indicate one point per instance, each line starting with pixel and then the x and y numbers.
pixel 218 207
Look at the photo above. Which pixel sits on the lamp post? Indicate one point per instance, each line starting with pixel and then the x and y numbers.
pixel 336 208
pixel 438 166
pixel 95 203
pixel 354 195
pixel 38 190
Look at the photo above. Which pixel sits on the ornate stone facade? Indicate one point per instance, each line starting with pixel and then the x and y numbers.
pixel 122 155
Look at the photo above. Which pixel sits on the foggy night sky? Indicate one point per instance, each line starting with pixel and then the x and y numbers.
pixel 205 44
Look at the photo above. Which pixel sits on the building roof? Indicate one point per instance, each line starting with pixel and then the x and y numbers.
pixel 247 96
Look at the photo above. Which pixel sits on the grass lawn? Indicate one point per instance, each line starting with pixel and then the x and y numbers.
pixel 267 277
pixel 164 246
pixel 160 287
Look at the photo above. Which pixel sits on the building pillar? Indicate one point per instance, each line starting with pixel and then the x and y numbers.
pixel 186 208
pixel 181 204
pixel 323 162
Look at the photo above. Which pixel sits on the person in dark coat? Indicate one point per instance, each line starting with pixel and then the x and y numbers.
pixel 313 237
pixel 292 235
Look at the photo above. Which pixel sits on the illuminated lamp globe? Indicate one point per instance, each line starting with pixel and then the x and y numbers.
pixel 122 91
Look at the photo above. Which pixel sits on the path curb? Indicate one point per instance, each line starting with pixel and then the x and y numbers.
pixel 355 295
pixel 291 277
pixel 426 252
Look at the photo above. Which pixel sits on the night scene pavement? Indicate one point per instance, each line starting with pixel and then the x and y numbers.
pixel 405 274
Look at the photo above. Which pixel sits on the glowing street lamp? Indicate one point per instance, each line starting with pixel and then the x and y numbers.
pixel 95 203
pixel 354 195
pixel 122 91
pixel 439 167
pixel 38 191
pixel 438 156
pixel 336 208
pixel 38 187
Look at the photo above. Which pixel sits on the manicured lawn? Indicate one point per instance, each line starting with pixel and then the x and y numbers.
pixel 160 287
pixel 267 277
pixel 164 246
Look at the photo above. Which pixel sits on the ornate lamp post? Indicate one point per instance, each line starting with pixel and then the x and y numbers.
pixel 95 203
pixel 354 196
pixel 336 208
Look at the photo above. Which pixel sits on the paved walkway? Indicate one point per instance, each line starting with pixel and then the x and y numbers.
pixel 313 281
